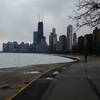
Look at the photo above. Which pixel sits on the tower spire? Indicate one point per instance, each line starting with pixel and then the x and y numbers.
pixel 39 18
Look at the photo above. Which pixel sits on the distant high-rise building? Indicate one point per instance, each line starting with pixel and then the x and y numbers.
pixel 96 40
pixel 24 47
pixel 40 31
pixel 52 41
pixel 10 47
pixel 62 44
pixel 88 44
pixel 43 47
pixel 39 40
pixel 69 38
pixel 35 38
pixel 58 47
pixel 74 40
pixel 5 47
pixel 81 44
pixel 38 35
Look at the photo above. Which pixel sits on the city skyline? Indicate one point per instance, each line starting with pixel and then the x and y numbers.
pixel 63 45
pixel 67 44
pixel 19 17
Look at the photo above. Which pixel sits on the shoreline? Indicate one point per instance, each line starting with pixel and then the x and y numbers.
pixel 12 80
pixel 55 66
pixel 43 80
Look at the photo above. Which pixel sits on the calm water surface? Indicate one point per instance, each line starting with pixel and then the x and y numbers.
pixel 16 60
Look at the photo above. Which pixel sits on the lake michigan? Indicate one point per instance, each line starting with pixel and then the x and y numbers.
pixel 8 60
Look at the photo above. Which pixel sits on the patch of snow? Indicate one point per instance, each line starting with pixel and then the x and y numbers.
pixel 32 72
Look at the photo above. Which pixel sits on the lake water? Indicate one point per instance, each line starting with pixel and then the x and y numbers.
pixel 8 60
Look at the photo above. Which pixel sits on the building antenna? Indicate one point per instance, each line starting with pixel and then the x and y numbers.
pixel 39 17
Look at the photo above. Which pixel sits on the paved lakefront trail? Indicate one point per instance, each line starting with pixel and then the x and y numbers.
pixel 72 81
pixel 80 81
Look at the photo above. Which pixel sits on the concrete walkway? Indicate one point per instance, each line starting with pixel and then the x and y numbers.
pixel 78 82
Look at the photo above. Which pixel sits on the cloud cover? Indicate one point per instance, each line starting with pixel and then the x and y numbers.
pixel 19 18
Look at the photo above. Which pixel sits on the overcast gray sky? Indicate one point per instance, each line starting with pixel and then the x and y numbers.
pixel 19 18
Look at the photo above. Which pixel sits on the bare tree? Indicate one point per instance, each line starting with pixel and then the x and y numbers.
pixel 88 13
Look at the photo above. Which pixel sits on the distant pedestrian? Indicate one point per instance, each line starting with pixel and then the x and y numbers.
pixel 85 57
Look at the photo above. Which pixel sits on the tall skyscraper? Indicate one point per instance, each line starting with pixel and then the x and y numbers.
pixel 40 31
pixel 69 38
pixel 81 44
pixel 52 41
pixel 88 43
pixel 35 38
pixel 63 44
pixel 38 35
pixel 74 40
pixel 96 40
pixel 39 40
